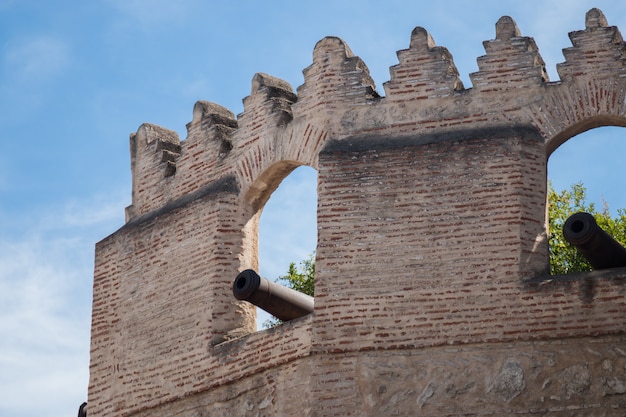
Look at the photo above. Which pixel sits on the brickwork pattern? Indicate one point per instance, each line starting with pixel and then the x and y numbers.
pixel 432 293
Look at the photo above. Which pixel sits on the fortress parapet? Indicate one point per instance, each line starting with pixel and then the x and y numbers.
pixel 432 293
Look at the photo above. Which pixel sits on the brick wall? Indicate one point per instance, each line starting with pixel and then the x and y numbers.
pixel 432 293
pixel 425 240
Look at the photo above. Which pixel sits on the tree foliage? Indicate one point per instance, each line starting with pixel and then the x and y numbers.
pixel 299 278
pixel 564 258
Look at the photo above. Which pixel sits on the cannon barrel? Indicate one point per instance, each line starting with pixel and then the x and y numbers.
pixel 596 245
pixel 82 410
pixel 281 302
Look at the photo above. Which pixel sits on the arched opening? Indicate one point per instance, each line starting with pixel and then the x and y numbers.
pixel 593 159
pixel 287 230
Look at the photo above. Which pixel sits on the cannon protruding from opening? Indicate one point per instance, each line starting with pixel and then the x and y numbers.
pixel 596 245
pixel 281 302
pixel 82 410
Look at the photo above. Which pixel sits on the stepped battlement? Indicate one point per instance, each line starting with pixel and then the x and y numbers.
pixel 424 94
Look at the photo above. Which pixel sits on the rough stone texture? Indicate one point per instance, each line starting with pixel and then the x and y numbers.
pixel 432 293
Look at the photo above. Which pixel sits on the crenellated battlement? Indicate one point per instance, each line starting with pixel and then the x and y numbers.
pixel 431 286
pixel 425 71
pixel 424 93
pixel 597 50
pixel 512 61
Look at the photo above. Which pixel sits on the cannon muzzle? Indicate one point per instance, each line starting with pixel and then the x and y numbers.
pixel 281 302
pixel 596 245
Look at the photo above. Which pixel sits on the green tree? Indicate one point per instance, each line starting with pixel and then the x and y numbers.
pixel 564 258
pixel 299 278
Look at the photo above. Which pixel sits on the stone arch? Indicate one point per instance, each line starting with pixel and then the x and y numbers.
pixel 273 156
pixel 585 120
pixel 255 198
pixel 581 126
pixel 592 87
pixel 575 162
pixel 266 183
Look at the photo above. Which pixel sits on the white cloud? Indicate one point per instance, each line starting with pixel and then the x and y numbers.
pixel 46 278
pixel 151 13
pixel 44 326
pixel 36 58
pixel 102 209
pixel 5 4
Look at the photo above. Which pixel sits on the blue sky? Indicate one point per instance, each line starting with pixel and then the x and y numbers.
pixel 77 77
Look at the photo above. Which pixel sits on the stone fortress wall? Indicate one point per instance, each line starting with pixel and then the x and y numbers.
pixel 432 291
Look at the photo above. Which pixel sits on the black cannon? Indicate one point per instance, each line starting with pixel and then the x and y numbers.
pixel 278 300
pixel 82 410
pixel 596 245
